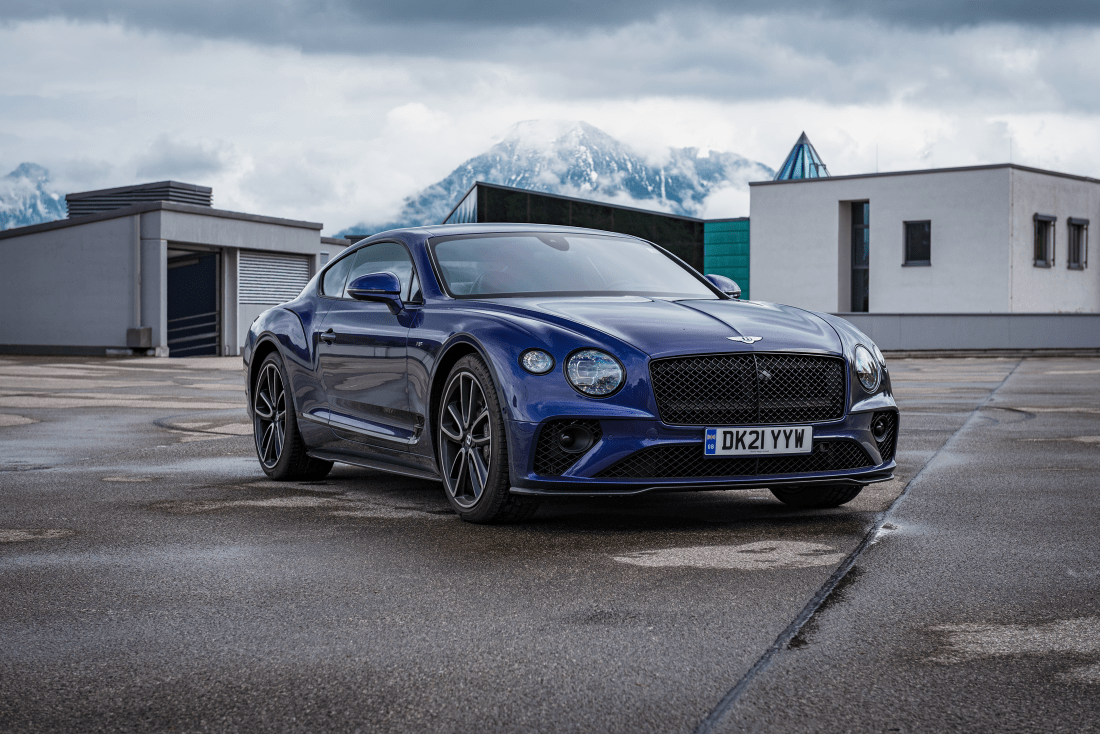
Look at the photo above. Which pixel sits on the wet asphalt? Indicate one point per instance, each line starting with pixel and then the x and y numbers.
pixel 153 579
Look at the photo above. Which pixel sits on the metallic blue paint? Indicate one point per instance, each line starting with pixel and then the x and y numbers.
pixel 372 399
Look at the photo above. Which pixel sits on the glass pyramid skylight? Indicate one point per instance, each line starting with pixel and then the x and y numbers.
pixel 803 162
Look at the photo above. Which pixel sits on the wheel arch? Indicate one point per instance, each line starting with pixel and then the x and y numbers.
pixel 458 348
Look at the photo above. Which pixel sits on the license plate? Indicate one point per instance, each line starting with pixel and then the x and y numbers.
pixel 758 440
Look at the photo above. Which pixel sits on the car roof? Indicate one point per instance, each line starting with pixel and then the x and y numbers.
pixel 438 230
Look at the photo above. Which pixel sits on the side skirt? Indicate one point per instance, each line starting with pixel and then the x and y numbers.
pixel 385 466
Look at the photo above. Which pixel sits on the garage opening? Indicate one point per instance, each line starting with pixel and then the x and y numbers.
pixel 194 313
pixel 265 280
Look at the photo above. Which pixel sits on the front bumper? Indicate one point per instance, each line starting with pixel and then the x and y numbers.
pixel 621 438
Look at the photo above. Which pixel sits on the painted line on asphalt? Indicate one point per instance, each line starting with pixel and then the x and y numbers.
pixel 718 714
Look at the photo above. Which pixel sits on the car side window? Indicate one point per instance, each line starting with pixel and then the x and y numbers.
pixel 332 284
pixel 384 257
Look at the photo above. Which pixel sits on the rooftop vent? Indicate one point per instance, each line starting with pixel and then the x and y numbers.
pixel 105 200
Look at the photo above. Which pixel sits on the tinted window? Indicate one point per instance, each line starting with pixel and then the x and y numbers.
pixel 551 263
pixel 918 243
pixel 333 282
pixel 384 257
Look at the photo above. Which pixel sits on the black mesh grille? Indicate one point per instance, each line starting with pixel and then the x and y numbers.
pixel 889 442
pixel 550 459
pixel 748 389
pixel 687 460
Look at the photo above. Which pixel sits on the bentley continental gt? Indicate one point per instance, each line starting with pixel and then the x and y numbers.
pixel 517 363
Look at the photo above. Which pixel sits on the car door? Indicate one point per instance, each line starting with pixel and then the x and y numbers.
pixel 362 352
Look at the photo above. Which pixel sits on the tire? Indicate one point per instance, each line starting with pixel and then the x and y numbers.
pixel 472 448
pixel 279 445
pixel 817 496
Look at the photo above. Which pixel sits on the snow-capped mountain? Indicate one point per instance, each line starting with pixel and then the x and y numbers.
pixel 27 198
pixel 577 159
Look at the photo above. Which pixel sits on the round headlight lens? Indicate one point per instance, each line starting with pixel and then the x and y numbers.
pixel 594 372
pixel 866 369
pixel 536 361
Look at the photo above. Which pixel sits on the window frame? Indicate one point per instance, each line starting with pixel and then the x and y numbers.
pixel 906 262
pixel 414 278
pixel 1048 222
pixel 1082 225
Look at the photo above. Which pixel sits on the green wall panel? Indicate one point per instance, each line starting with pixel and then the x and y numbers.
pixel 726 251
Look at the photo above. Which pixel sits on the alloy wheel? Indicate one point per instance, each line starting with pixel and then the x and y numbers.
pixel 465 439
pixel 269 407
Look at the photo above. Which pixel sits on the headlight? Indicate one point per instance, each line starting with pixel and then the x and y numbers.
pixel 594 372
pixel 867 369
pixel 536 361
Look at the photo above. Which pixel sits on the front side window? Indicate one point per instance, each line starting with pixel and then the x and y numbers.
pixel 332 284
pixel 1044 240
pixel 918 243
pixel 1078 245
pixel 537 263
pixel 384 257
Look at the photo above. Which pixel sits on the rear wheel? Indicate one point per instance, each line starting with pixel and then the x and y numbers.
pixel 279 445
pixel 473 451
pixel 825 495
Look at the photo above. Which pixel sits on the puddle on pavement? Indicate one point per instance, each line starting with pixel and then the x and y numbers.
pixel 1076 637
pixel 760 556
pixel 8 419
pixel 23 535
pixel 135 479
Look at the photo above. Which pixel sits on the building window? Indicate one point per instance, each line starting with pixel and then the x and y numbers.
pixel 861 256
pixel 918 243
pixel 1078 244
pixel 1044 240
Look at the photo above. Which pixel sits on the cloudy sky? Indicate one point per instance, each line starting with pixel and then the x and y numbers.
pixel 334 110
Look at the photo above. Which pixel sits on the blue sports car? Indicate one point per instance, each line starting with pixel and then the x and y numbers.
pixel 516 363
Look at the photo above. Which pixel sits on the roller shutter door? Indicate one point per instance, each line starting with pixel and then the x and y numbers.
pixel 265 279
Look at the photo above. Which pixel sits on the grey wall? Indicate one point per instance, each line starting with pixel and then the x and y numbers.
pixel 67 288
pixel 927 331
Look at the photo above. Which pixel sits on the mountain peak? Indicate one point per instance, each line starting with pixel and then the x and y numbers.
pixel 27 198
pixel 574 158
pixel 31 171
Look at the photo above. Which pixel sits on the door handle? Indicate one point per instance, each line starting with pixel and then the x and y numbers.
pixel 328 337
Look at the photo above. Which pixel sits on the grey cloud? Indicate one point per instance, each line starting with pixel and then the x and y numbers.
pixel 168 157
pixel 350 26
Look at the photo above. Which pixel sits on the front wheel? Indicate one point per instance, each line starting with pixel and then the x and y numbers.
pixel 817 496
pixel 473 451
pixel 279 446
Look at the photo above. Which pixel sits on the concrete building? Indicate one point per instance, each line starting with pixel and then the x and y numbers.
pixel 906 256
pixel 150 269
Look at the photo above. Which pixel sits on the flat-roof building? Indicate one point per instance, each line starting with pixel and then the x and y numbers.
pixel 150 269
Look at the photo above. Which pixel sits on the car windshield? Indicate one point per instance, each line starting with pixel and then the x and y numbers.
pixel 527 264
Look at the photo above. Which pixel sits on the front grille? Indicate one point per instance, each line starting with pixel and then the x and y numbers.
pixel 889 442
pixel 687 460
pixel 551 459
pixel 748 389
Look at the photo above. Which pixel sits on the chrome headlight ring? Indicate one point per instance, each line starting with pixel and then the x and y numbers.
pixel 868 370
pixel 594 373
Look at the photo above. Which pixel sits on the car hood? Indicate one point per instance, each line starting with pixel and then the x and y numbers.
pixel 664 327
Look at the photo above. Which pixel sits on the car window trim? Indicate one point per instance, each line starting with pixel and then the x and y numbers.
pixel 351 253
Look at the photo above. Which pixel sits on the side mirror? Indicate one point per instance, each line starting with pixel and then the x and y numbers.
pixel 380 287
pixel 724 284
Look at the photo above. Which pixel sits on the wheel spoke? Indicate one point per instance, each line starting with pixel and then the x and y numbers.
pixel 265 444
pixel 482 416
pixel 465 393
pixel 459 463
pixel 458 419
pixel 451 436
pixel 479 473
pixel 265 410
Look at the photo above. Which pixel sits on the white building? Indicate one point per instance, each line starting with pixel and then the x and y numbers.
pixel 979 245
